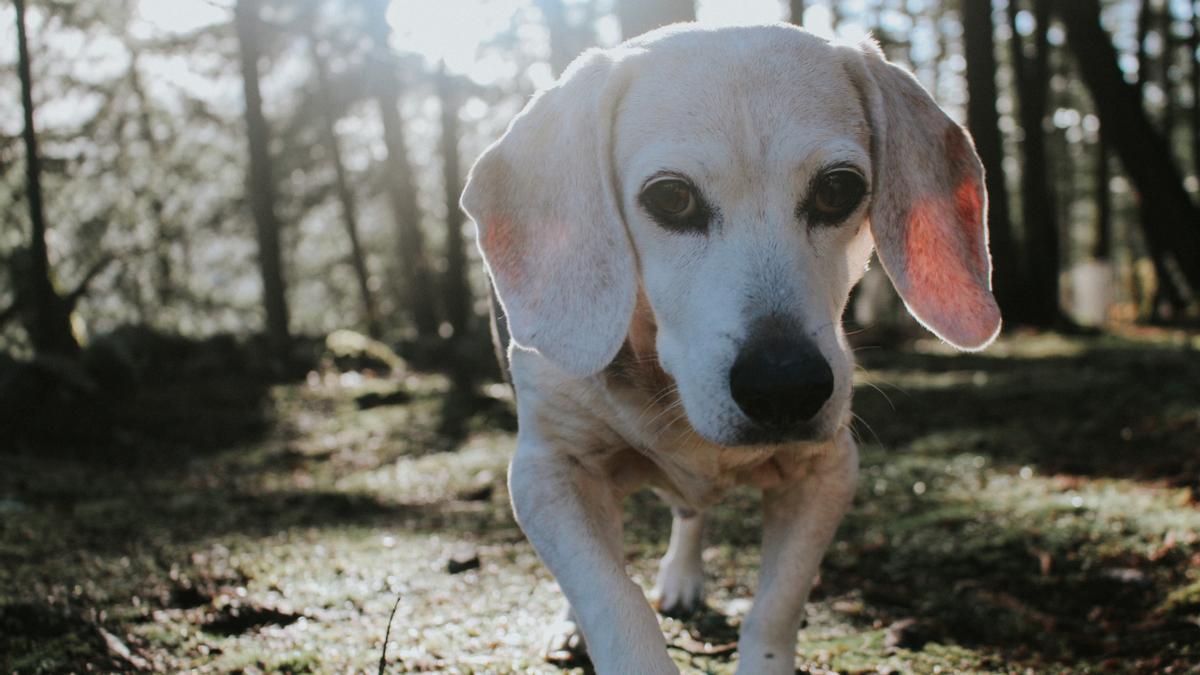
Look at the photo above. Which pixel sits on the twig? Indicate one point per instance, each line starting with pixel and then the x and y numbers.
pixel 81 289
pixel 387 634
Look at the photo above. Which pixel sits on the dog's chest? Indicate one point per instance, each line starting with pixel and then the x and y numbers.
pixel 699 478
pixel 672 458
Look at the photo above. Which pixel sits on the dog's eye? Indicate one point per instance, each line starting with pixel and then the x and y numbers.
pixel 836 194
pixel 669 198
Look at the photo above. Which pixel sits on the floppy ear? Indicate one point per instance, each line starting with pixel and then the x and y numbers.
pixel 549 227
pixel 929 210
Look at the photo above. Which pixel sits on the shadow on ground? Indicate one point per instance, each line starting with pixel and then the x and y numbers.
pixel 1113 408
pixel 1035 508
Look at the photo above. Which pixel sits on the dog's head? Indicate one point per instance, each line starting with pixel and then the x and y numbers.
pixel 738 177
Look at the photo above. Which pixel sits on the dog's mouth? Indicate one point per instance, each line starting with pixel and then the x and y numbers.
pixel 752 434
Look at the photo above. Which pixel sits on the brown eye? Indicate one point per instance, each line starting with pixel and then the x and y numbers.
pixel 669 198
pixel 836 194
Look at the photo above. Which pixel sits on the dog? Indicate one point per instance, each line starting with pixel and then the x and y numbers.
pixel 673 230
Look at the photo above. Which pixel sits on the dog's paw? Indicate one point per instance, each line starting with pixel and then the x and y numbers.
pixel 565 647
pixel 679 590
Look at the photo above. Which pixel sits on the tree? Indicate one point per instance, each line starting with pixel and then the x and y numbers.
pixel 456 292
pixel 1165 293
pixel 418 296
pixel 1194 51
pixel 1170 46
pixel 345 195
pixel 261 184
pixel 48 315
pixel 1039 306
pixel 1194 72
pixel 642 16
pixel 796 11
pixel 1170 218
pixel 163 286
pixel 561 52
pixel 1102 248
pixel 983 120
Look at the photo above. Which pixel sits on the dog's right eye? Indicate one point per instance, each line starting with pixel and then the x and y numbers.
pixel 674 204
pixel 836 194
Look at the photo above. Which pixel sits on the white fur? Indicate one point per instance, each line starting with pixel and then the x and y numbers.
pixel 680 584
pixel 750 115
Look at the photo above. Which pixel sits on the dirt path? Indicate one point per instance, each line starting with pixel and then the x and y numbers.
pixel 1032 507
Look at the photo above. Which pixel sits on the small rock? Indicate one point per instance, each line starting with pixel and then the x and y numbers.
pixel 462 561
pixel 1125 575
pixel 187 596
pixel 348 351
pixel 376 399
pixel 119 650
pixel 909 634
pixel 479 493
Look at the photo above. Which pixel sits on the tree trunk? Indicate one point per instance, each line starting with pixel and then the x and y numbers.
pixel 49 320
pixel 874 22
pixel 1041 258
pixel 358 259
pixel 984 123
pixel 561 52
pixel 1194 49
pixel 1165 293
pixel 163 281
pixel 419 294
pixel 642 16
pixel 1102 247
pixel 1144 19
pixel 796 11
pixel 261 185
pixel 943 52
pixel 1170 48
pixel 1171 219
pixel 456 291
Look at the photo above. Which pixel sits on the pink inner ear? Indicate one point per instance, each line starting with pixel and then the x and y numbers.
pixel 941 249
pixel 502 243
pixel 947 268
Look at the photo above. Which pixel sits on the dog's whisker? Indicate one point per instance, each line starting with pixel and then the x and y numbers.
pixel 872 378
pixel 662 395
pixel 858 418
pixel 881 393
pixel 677 405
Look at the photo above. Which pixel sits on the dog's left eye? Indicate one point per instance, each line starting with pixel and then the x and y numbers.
pixel 669 197
pixel 837 194
pixel 673 203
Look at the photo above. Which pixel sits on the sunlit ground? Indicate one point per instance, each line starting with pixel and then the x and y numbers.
pixel 1035 506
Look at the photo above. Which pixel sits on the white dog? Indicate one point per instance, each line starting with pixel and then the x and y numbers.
pixel 673 230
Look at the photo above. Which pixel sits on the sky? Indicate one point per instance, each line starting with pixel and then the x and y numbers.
pixel 451 30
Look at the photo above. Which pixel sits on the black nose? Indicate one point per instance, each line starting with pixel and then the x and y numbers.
pixel 780 382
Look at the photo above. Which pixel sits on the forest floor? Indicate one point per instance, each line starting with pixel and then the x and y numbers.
pixel 1034 506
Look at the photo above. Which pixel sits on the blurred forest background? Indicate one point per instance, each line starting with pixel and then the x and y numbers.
pixel 286 169
pixel 239 304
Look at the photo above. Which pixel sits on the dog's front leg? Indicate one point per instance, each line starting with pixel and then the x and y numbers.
pixel 572 518
pixel 799 520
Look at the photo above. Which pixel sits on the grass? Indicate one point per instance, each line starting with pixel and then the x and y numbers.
pixel 1034 506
